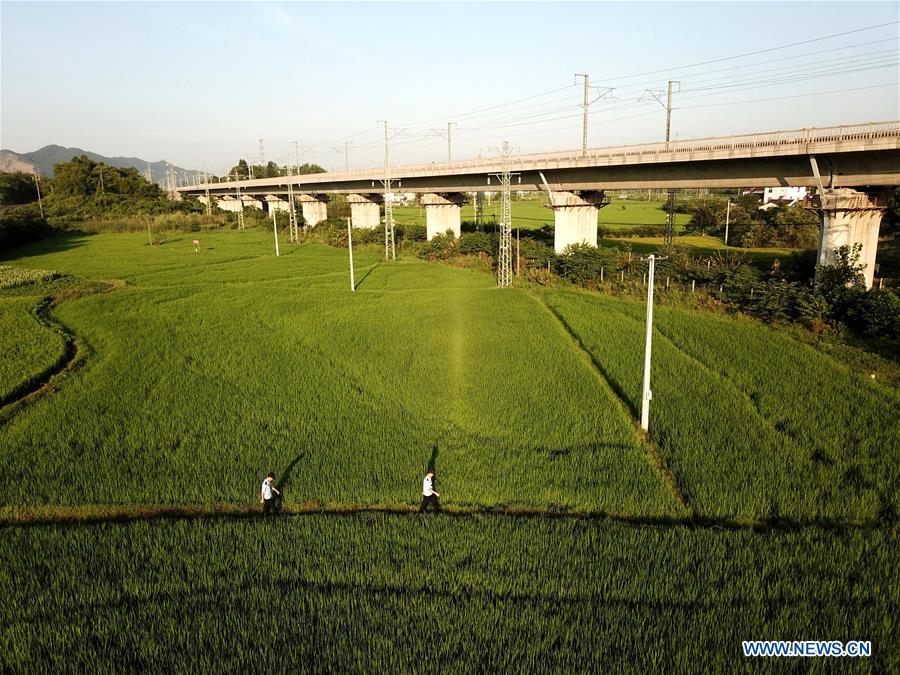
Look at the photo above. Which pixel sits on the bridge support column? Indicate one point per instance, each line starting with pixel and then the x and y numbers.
pixel 275 203
pixel 364 210
pixel 443 212
pixel 849 217
pixel 575 217
pixel 314 208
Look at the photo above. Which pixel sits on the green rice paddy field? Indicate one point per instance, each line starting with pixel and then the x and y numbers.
pixel 762 505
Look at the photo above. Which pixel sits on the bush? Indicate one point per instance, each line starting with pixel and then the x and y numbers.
pixel 412 232
pixel 21 224
pixel 536 254
pixel 473 243
pixel 581 263
pixel 440 247
pixel 875 314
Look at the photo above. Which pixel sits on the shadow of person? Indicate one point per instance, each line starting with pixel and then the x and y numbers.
pixel 432 462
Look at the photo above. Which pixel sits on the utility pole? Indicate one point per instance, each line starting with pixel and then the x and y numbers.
pixel 586 105
pixel 504 263
pixel 669 110
pixel 240 209
pixel 448 136
pixel 647 393
pixel 670 214
pixel 208 198
pixel 390 252
pixel 346 153
pixel 584 132
pixel 727 220
pixel 275 230
pixel 350 247
pixel 37 184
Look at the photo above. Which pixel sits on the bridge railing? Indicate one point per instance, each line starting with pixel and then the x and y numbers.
pixel 856 132
pixel 839 134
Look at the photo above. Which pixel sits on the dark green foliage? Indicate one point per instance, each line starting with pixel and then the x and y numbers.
pixel 21 224
pixel 473 243
pixel 581 263
pixel 875 314
pixel 536 254
pixel 440 247
pixel 412 232
pixel 632 231
pixel 790 226
pixel 17 187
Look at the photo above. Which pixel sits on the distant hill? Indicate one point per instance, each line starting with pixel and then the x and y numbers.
pixel 42 161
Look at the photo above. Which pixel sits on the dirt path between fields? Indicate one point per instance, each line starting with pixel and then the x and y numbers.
pixel 98 515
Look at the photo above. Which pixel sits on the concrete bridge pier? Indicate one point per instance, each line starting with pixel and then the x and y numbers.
pixel 443 212
pixel 275 203
pixel 364 210
pixel 232 204
pixel 575 216
pixel 314 208
pixel 849 217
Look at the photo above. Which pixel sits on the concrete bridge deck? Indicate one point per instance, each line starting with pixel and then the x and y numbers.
pixel 848 156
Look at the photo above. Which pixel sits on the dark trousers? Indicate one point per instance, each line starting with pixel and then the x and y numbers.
pixel 430 500
pixel 268 507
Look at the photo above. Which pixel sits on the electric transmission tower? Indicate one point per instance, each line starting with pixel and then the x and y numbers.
pixel 504 263
pixel 390 251
pixel 292 212
pixel 240 209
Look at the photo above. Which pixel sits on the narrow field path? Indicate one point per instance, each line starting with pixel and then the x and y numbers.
pixel 602 377
pixel 17 517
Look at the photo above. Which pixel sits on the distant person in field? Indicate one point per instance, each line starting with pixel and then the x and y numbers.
pixel 429 496
pixel 265 494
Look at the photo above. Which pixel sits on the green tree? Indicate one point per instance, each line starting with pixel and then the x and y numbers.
pixel 17 187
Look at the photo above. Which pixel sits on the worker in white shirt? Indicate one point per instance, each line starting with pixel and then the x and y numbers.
pixel 265 494
pixel 429 496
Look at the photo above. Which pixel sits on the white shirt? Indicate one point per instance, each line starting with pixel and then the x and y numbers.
pixel 427 490
pixel 267 489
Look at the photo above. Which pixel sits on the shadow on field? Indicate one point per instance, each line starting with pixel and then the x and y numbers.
pixel 54 244
pixel 364 277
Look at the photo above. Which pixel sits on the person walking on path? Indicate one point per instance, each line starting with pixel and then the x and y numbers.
pixel 265 494
pixel 429 496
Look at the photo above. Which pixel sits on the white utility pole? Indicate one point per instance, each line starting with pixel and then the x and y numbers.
pixel 584 132
pixel 346 153
pixel 350 247
pixel 647 395
pixel 727 220
pixel 37 184
pixel 275 230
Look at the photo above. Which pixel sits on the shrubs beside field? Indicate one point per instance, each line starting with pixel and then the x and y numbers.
pixel 822 298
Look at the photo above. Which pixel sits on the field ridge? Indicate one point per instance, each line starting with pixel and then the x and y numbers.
pixel 19 517
pixel 654 454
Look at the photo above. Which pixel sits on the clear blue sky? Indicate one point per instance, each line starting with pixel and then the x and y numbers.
pixel 197 83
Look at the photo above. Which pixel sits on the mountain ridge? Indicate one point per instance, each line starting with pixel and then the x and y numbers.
pixel 42 161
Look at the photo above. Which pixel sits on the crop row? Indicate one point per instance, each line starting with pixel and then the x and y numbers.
pixel 738 413
pixel 396 594
pixel 207 375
